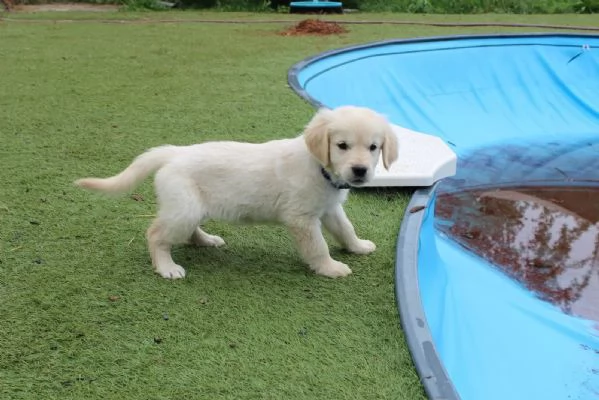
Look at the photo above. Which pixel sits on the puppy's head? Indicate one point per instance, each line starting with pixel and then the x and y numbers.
pixel 349 140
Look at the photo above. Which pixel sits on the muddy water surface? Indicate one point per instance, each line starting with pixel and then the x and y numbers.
pixel 547 237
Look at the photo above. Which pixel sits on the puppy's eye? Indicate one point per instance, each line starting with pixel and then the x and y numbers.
pixel 372 147
pixel 342 146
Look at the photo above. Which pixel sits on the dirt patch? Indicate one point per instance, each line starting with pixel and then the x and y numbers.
pixel 314 27
pixel 33 8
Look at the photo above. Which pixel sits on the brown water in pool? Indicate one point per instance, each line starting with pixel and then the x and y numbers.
pixel 545 237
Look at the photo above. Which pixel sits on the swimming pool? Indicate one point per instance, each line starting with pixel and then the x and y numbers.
pixel 497 278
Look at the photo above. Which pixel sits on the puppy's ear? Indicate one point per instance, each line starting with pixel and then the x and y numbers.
pixel 316 136
pixel 390 148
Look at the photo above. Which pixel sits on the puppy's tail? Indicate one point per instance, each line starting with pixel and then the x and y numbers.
pixel 144 165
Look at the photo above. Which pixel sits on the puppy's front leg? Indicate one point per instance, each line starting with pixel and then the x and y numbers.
pixel 314 250
pixel 336 222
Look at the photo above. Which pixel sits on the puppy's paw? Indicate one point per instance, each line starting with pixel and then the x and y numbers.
pixel 173 271
pixel 333 269
pixel 362 247
pixel 209 241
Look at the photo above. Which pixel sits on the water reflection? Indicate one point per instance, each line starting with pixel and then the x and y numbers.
pixel 547 237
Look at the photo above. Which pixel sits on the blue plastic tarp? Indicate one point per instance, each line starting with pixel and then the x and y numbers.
pixel 516 109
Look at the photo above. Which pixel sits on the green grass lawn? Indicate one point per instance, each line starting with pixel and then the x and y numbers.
pixel 82 315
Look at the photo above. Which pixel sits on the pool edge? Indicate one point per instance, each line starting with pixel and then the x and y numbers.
pixel 295 69
pixel 430 369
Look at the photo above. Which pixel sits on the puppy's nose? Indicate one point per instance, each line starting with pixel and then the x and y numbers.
pixel 359 171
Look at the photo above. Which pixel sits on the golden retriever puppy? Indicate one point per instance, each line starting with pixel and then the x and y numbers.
pixel 300 182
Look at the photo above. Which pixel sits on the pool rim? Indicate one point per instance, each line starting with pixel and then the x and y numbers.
pixel 294 71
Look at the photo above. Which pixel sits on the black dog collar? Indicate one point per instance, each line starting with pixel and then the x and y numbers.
pixel 336 185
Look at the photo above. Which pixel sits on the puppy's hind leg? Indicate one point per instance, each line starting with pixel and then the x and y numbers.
pixel 178 217
pixel 203 239
pixel 160 243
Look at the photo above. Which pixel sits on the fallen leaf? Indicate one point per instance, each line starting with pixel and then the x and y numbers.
pixel 416 209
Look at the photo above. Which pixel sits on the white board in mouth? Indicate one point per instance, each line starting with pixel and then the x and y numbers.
pixel 423 160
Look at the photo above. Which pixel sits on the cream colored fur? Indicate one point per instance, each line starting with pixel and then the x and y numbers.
pixel 277 181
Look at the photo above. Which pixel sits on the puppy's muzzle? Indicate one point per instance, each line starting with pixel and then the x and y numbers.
pixel 359 171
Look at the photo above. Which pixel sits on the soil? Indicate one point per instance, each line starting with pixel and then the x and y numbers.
pixel 314 27
pixel 32 8
pixel 545 237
